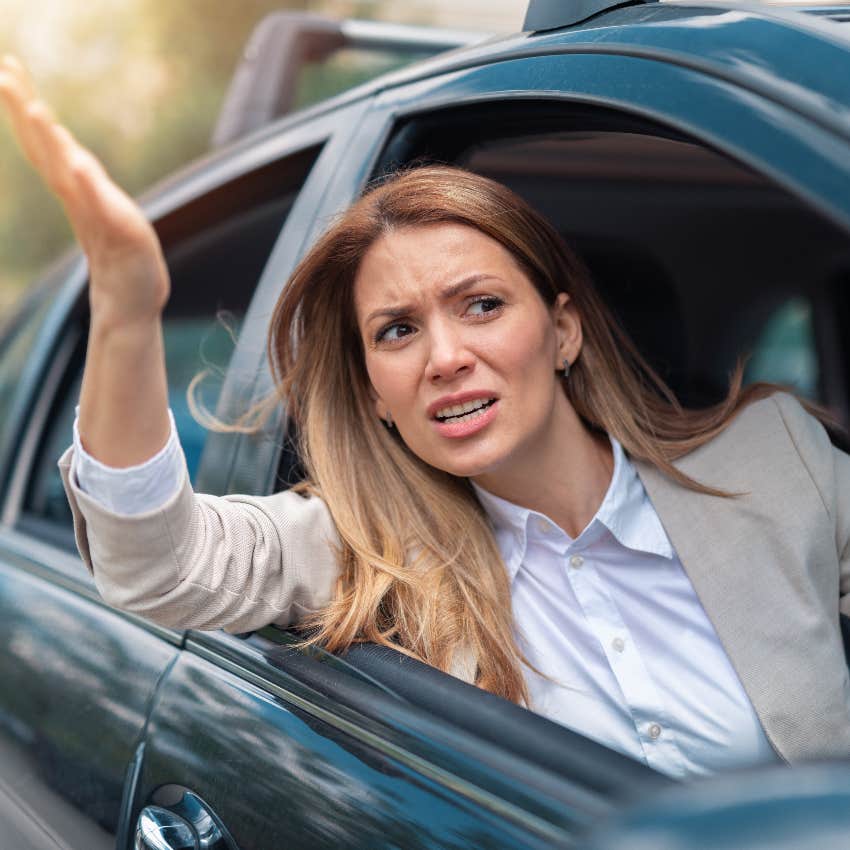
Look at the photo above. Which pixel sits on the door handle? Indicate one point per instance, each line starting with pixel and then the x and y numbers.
pixel 181 821
pixel 160 829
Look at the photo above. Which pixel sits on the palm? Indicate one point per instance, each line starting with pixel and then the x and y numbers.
pixel 129 280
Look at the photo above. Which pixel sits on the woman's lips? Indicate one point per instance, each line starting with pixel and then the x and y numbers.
pixel 469 424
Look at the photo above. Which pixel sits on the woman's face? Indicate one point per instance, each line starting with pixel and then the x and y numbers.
pixel 460 348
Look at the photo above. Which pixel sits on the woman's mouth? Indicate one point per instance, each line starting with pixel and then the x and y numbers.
pixel 469 417
pixel 463 412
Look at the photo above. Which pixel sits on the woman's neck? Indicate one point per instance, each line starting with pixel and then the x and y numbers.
pixel 564 475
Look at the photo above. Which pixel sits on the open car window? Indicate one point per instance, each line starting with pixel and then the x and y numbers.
pixel 216 248
pixel 701 259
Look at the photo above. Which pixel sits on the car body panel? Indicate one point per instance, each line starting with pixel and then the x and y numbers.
pixel 796 57
pixel 302 780
pixel 804 809
pixel 78 680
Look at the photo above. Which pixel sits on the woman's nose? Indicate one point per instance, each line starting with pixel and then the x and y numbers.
pixel 449 355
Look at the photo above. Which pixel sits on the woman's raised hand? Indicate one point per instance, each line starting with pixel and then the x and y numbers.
pixel 129 279
pixel 124 396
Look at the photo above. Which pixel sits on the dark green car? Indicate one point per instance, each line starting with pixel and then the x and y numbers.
pixel 698 156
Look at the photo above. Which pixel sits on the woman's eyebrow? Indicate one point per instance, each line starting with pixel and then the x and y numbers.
pixel 395 312
pixel 390 312
pixel 466 283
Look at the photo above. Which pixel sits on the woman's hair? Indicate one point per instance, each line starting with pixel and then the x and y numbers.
pixel 420 569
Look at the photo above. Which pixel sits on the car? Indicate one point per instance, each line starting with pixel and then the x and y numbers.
pixel 697 155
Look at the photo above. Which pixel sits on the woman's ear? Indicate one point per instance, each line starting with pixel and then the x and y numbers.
pixel 567 328
pixel 380 407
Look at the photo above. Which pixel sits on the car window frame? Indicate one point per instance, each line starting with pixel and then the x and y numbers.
pixel 641 86
pixel 247 463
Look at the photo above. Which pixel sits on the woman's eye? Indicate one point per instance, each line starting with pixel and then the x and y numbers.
pixel 485 305
pixel 393 333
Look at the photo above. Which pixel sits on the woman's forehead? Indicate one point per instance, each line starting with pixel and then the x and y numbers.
pixel 412 262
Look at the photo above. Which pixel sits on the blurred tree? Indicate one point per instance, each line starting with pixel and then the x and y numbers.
pixel 138 81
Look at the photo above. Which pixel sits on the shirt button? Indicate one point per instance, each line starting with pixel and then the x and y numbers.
pixel 619 644
pixel 654 731
pixel 576 561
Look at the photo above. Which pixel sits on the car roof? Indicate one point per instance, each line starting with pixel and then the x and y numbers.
pixel 797 54
pixel 669 25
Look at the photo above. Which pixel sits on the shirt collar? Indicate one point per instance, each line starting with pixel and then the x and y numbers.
pixel 625 511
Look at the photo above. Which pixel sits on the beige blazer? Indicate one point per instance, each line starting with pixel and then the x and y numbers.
pixel 771 566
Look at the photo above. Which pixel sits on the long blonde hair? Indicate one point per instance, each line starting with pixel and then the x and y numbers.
pixel 419 566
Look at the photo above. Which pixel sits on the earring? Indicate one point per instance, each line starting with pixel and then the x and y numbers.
pixel 389 420
pixel 566 368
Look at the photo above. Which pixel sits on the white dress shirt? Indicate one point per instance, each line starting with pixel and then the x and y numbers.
pixel 614 622
pixel 628 654
pixel 130 490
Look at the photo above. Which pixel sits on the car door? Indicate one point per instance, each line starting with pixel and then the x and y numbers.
pixel 275 747
pixel 79 679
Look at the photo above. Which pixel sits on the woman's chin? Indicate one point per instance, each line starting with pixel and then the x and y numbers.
pixel 468 458
pixel 470 466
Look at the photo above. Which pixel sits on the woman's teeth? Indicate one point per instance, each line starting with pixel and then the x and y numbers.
pixel 462 412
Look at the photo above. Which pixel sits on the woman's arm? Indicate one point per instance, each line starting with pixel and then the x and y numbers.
pixel 124 399
pixel 194 561
pixel 207 562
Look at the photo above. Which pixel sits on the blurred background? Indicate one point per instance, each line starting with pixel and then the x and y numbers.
pixel 141 82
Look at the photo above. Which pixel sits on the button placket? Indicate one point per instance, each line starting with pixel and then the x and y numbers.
pixel 639 693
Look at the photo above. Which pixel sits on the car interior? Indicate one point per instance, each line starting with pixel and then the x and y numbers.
pixel 701 258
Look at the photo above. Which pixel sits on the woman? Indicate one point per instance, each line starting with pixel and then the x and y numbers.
pixel 497 483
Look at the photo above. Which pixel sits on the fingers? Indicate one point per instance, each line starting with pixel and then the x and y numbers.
pixel 15 67
pixel 48 145
pixel 24 110
pixel 66 166
pixel 101 214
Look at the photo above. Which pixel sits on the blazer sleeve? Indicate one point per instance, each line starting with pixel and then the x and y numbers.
pixel 209 562
pixel 829 468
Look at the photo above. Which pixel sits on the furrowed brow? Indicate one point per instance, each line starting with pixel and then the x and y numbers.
pixel 449 292
pixel 466 283
pixel 390 312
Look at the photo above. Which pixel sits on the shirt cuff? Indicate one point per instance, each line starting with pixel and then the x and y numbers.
pixel 130 490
